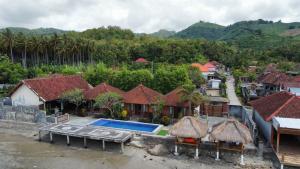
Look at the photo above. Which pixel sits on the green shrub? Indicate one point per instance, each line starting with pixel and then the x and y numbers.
pixel 165 120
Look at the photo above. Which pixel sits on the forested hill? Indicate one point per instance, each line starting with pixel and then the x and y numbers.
pixel 38 31
pixel 256 34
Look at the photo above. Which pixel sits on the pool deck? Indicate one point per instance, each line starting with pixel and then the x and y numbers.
pixel 86 132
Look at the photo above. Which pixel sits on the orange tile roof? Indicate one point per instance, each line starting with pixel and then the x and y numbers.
pixel 202 68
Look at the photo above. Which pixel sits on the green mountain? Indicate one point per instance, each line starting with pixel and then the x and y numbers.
pixel 38 31
pixel 247 34
pixel 163 33
pixel 202 29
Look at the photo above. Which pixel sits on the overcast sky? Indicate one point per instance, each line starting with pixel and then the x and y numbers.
pixel 141 15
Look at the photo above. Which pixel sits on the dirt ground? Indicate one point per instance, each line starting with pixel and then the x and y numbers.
pixel 19 149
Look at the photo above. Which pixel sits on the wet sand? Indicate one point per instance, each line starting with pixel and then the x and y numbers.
pixel 21 150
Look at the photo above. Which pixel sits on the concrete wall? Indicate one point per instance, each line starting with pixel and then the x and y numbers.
pixel 26 97
pixel 265 128
pixel 22 113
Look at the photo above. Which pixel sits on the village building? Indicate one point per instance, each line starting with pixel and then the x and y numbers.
pixel 215 106
pixel 174 105
pixel 102 88
pixel 278 119
pixel 45 92
pixel 142 60
pixel 140 101
pixel 272 81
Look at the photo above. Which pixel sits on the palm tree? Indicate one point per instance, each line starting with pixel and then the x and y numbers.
pixel 192 96
pixel 9 41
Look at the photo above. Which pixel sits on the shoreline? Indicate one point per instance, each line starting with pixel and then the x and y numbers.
pixel 20 149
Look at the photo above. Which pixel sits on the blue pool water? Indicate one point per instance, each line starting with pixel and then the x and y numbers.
pixel 135 126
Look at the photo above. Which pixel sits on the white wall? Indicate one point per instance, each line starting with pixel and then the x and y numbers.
pixel 24 96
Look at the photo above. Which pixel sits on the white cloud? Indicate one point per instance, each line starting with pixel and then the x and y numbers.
pixel 141 15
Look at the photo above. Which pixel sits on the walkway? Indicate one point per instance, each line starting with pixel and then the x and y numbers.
pixel 233 99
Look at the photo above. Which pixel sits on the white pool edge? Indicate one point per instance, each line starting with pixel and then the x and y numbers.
pixel 158 128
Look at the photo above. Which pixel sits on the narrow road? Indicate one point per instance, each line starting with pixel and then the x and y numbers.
pixel 233 99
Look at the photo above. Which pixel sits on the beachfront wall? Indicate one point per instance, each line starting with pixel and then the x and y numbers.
pixel 265 128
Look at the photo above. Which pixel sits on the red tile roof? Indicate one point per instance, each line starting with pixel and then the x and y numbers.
pixel 282 104
pixel 141 60
pixel 100 89
pixel 51 87
pixel 275 78
pixel 142 95
pixel 202 68
pixel 173 98
pixel 209 65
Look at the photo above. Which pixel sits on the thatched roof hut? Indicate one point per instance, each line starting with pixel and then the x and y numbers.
pixel 189 127
pixel 231 130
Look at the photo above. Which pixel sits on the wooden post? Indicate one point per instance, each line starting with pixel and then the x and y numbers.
pixel 197 152
pixel 103 144
pixel 51 137
pixel 84 142
pixel 278 140
pixel 218 151
pixel 242 155
pixel 40 137
pixel 176 150
pixel 122 147
pixel 68 140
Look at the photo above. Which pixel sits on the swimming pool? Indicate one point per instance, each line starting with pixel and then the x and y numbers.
pixel 128 125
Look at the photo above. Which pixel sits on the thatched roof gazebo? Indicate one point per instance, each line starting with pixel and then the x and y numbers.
pixel 232 132
pixel 189 131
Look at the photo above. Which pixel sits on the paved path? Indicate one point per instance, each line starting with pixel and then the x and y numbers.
pixel 233 99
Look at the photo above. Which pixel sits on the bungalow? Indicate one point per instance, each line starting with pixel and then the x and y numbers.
pixel 139 101
pixel 102 88
pixel 46 91
pixel 277 117
pixel 142 60
pixel 174 105
pixel 215 106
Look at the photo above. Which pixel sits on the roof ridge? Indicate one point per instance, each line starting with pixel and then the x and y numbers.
pixel 281 107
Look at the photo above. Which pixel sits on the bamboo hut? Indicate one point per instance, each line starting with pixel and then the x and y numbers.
pixel 230 135
pixel 189 131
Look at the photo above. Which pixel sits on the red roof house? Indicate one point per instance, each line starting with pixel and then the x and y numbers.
pixel 274 78
pixel 174 99
pixel 201 67
pixel 141 60
pixel 91 94
pixel 142 95
pixel 139 101
pixel 32 91
pixel 281 104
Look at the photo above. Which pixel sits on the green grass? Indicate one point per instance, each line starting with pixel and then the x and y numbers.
pixel 163 133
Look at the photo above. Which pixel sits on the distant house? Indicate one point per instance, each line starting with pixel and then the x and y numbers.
pixel 203 69
pixel 278 119
pixel 211 67
pixel 142 60
pixel 140 100
pixel 215 106
pixel 292 85
pixel 272 81
pixel 102 88
pixel 214 83
pixel 46 91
